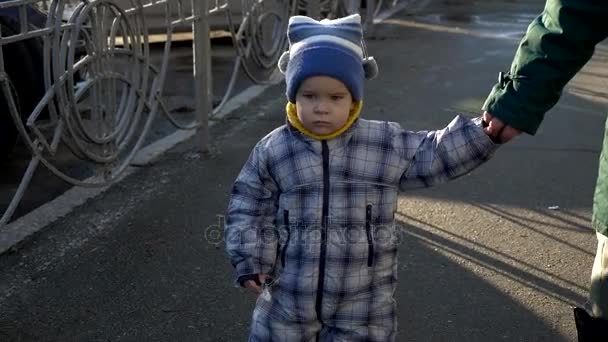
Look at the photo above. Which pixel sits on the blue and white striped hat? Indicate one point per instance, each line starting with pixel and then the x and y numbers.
pixel 326 48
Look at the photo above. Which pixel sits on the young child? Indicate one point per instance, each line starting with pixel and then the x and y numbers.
pixel 310 224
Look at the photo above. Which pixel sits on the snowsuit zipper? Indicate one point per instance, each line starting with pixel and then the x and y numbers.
pixel 368 230
pixel 324 219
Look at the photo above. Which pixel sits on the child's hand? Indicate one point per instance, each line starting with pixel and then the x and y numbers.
pixel 497 130
pixel 254 286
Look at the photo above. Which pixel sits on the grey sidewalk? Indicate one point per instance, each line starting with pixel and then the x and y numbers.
pixel 483 259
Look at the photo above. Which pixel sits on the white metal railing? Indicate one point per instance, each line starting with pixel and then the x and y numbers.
pixel 101 91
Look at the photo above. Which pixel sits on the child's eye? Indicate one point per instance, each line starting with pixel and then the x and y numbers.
pixel 337 97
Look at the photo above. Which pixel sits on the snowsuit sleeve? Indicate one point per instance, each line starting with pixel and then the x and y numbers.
pixel 250 233
pixel 434 157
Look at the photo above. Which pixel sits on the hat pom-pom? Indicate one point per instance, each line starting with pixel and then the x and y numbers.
pixel 370 67
pixel 283 61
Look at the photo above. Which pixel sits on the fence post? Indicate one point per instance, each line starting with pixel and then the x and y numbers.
pixel 202 69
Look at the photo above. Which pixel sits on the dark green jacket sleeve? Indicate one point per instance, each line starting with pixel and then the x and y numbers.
pixel 556 46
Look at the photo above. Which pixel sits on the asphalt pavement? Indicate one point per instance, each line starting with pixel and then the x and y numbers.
pixel 498 255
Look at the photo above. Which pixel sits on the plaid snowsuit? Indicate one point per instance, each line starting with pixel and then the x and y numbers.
pixel 318 216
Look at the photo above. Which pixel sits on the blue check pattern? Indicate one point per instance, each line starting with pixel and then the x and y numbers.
pixel 274 223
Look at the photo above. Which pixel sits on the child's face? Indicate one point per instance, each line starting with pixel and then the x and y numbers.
pixel 323 104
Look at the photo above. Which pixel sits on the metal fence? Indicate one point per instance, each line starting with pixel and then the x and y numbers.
pixel 101 91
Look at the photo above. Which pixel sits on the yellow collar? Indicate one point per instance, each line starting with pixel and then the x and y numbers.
pixel 292 116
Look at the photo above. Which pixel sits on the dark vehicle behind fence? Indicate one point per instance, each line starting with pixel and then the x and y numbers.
pixel 23 62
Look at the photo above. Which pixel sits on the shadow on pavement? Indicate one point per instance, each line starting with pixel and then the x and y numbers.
pixel 438 300
pixel 481 259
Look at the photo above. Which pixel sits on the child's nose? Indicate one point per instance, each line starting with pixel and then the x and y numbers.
pixel 321 107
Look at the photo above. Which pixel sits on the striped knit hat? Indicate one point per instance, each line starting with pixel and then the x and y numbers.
pixel 326 48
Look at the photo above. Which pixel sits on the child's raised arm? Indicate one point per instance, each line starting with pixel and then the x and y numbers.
pixel 439 156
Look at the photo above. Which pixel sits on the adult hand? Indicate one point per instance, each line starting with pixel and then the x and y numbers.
pixel 253 285
pixel 498 130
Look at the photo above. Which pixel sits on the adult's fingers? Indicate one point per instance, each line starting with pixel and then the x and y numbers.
pixel 509 133
pixel 498 130
pixel 495 126
pixel 487 117
pixel 488 126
